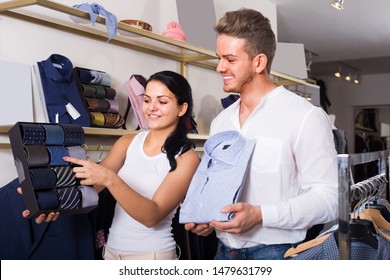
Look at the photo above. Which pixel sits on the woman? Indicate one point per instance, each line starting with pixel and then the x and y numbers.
pixel 148 173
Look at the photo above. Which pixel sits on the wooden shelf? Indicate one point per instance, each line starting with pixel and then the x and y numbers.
pixel 108 132
pixel 58 16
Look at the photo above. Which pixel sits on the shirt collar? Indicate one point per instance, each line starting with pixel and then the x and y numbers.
pixel 225 146
pixel 137 87
pixel 58 67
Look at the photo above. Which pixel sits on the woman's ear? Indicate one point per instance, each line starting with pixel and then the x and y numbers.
pixel 183 109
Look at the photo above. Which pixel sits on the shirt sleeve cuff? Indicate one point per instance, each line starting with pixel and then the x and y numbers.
pixel 270 215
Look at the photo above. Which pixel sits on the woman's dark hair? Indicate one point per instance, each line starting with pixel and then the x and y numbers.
pixel 177 143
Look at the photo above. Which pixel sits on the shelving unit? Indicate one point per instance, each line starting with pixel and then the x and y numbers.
pixel 36 11
pixel 198 139
pixel 58 16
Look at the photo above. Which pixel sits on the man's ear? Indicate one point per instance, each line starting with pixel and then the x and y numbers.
pixel 260 62
pixel 183 109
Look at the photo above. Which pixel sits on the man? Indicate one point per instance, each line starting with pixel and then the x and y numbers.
pixel 292 178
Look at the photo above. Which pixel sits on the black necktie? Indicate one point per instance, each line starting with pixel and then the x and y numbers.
pixel 110 93
pixel 36 155
pixel 47 199
pixel 88 90
pixel 100 91
pixel 73 135
pixel 42 177
pixel 32 133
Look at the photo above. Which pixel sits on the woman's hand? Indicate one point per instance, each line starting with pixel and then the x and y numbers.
pixel 90 172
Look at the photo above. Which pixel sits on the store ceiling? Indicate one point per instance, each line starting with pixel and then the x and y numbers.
pixel 359 35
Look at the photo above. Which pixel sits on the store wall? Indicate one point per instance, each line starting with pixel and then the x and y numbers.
pixel 27 43
pixel 345 97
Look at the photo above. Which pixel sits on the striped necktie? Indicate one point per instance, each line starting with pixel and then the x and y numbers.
pixel 65 176
pixel 69 198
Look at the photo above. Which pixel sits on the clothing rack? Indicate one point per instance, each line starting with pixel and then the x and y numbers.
pixel 345 164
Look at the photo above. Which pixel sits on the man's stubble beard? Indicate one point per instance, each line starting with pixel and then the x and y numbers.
pixel 240 83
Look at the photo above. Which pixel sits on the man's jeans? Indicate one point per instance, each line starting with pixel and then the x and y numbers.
pixel 259 252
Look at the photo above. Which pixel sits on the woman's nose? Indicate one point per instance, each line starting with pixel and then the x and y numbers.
pixel 152 106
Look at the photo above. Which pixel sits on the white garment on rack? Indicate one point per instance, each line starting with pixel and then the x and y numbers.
pixel 39 103
pixel 332 119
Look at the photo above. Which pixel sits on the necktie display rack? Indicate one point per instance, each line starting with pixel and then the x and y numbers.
pixel 47 181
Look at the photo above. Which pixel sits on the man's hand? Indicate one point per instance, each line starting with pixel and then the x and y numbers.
pixel 199 229
pixel 246 216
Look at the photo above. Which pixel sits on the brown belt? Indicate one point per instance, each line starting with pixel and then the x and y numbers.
pixel 138 23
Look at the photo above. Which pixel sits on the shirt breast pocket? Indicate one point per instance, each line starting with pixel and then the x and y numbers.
pixel 267 155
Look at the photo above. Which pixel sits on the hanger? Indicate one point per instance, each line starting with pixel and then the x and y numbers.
pixel 382 209
pixel 100 148
pixel 362 230
pixel 85 147
pixel 306 245
pixel 375 216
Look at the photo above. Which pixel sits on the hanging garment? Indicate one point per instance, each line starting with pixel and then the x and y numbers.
pixel 218 179
pixel 328 250
pixel 71 237
pixel 64 103
pixel 135 87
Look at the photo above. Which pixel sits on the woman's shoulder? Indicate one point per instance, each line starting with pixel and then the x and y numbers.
pixel 128 137
pixel 190 155
pixel 124 141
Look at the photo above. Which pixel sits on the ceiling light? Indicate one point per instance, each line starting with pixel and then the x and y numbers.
pixel 357 79
pixel 349 73
pixel 338 73
pixel 337 4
